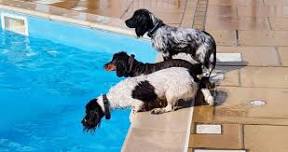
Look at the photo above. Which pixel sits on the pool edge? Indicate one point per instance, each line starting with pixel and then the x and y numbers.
pixel 64 15
pixel 102 26
pixel 139 136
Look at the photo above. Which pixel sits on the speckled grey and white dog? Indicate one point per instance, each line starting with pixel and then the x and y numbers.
pixel 170 41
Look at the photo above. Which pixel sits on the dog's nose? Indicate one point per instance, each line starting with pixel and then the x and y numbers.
pixel 126 22
pixel 84 121
pixel 105 65
pixel 129 23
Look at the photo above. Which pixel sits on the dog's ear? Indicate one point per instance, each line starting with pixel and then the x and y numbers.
pixel 133 56
pixel 91 104
pixel 144 24
pixel 121 69
pixel 197 68
pixel 94 114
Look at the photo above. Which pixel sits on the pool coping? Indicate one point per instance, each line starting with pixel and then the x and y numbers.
pixel 117 26
pixel 64 15
pixel 142 131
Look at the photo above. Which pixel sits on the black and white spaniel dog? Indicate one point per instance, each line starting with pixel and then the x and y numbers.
pixel 170 41
pixel 128 66
pixel 171 84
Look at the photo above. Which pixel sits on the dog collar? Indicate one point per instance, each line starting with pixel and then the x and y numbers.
pixel 106 107
pixel 153 30
pixel 131 62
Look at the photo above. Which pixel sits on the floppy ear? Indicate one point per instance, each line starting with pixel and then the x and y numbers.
pixel 197 68
pixel 121 69
pixel 141 30
pixel 144 23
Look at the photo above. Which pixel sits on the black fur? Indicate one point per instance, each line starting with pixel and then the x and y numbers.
pixel 93 116
pixel 130 69
pixel 145 92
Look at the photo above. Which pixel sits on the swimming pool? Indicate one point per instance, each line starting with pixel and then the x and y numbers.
pixel 47 78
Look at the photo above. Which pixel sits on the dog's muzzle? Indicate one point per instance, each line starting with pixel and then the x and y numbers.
pixel 110 67
pixel 130 23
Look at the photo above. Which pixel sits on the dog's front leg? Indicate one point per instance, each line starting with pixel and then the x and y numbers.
pixel 168 108
pixel 208 96
pixel 166 55
pixel 137 106
pixel 132 116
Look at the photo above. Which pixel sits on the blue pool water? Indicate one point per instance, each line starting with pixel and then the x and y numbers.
pixel 44 87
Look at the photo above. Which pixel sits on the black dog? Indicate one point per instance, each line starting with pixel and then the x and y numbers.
pixel 128 66
pixel 170 41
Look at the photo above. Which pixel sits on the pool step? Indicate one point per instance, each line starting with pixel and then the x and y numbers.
pixel 14 23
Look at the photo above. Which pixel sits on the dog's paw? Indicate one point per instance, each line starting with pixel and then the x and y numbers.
pixel 210 100
pixel 157 111
pixel 132 116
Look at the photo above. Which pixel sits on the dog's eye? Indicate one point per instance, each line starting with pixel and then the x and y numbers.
pixel 93 112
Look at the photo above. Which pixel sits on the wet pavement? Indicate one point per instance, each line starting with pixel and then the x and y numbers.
pixel 251 99
pixel 252 107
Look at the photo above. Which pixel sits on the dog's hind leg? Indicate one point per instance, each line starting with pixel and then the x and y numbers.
pixel 171 102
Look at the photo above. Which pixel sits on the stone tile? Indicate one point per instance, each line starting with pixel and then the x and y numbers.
pixel 172 13
pixel 262 11
pixel 166 16
pixel 258 56
pixel 239 23
pixel 224 37
pixel 187 20
pixel 283 53
pixel 111 8
pixel 165 132
pixel 208 129
pixel 279 23
pixel 276 2
pixel 174 6
pixel 263 38
pixel 150 140
pixel 231 75
pixel 202 113
pixel 187 23
pixel 235 106
pixel 49 1
pixel 217 150
pixel 223 11
pixel 229 57
pixel 174 24
pixel 231 138
pixel 270 77
pixel 260 138
pixel 178 121
pixel 236 2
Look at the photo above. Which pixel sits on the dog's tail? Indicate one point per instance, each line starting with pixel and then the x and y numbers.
pixel 210 58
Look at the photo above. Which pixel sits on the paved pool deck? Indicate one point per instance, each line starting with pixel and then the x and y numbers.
pixel 252 97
